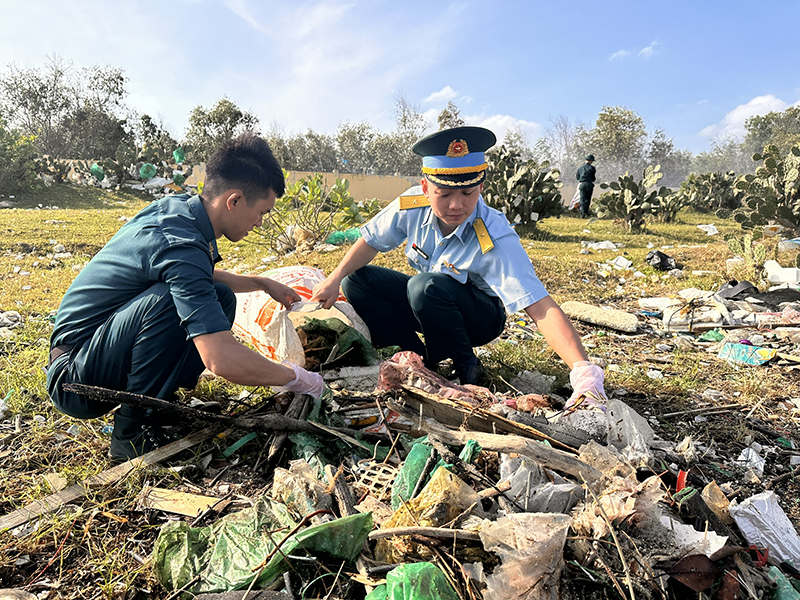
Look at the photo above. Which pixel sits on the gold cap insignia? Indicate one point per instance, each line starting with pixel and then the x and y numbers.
pixel 457 149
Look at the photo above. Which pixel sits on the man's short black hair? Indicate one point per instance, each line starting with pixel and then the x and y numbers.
pixel 245 162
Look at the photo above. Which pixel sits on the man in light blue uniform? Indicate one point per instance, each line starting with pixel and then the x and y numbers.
pixel 472 268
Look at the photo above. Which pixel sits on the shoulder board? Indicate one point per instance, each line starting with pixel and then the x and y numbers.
pixel 484 239
pixel 413 202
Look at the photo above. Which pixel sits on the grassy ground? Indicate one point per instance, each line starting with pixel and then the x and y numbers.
pixel 102 556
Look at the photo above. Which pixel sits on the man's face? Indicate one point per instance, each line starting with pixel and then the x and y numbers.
pixel 245 216
pixel 451 206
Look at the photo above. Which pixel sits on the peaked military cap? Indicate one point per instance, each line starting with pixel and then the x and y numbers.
pixel 454 158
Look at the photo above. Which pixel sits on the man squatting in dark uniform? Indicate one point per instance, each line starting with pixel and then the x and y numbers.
pixel 150 311
pixel 471 269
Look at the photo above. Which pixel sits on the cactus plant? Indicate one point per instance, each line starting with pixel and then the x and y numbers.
pixel 772 194
pixel 524 190
pixel 630 200
pixel 753 254
pixel 712 191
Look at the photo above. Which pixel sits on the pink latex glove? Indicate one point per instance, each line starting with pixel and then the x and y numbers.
pixel 587 379
pixel 304 382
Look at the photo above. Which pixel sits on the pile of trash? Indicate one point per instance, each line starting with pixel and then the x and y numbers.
pixel 476 494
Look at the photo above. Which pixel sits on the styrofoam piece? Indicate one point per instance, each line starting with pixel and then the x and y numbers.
pixel 777 274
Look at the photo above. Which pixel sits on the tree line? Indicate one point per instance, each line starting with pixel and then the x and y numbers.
pixel 81 113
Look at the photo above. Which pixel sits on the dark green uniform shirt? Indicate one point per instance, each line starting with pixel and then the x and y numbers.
pixel 586 173
pixel 171 241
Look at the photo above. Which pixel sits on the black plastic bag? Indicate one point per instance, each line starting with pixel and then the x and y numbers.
pixel 660 261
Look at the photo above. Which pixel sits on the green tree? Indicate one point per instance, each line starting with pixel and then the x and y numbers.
pixel 781 129
pixel 313 151
pixel 450 116
pixel 18 170
pixel 71 113
pixel 725 155
pixel 354 142
pixel 411 126
pixel 209 128
pixel 675 164
pixel 617 140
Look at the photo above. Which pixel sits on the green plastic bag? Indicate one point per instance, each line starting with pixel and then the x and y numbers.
pixel 343 237
pixel 415 581
pixel 179 155
pixel 178 178
pixel 147 171
pixel 412 468
pixel 98 172
pixel 410 472
pixel 224 554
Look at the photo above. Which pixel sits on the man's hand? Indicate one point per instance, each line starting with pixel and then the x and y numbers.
pixel 587 380
pixel 280 292
pixel 326 292
pixel 305 382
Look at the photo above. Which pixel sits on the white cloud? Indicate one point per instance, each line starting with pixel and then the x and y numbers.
pixel 732 124
pixel 619 54
pixel 501 124
pixel 647 52
pixel 443 95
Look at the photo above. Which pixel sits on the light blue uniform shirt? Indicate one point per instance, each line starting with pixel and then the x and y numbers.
pixel 504 271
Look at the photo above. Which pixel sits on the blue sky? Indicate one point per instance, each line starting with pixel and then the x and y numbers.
pixel 696 69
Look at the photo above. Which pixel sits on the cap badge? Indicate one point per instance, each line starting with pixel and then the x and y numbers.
pixel 457 149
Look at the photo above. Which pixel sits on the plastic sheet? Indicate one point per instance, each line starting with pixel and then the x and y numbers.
pixel 746 355
pixel 410 472
pixel 224 554
pixel 531 550
pixel 763 523
pixel 629 432
pixel 415 581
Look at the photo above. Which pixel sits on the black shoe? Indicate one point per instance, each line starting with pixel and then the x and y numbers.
pixel 472 374
pixel 134 436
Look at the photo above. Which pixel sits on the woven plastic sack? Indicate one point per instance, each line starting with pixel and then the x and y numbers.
pixel 266 325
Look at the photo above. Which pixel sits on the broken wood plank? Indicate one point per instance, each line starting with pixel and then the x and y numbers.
pixel 456 413
pixel 543 454
pixel 53 502
pixel 180 503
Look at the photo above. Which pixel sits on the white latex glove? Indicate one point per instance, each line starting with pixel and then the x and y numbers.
pixel 304 382
pixel 586 379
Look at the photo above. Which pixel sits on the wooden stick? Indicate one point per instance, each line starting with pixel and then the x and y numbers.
pixel 433 532
pixel 271 422
pixel 724 407
pixel 113 475
pixel 541 453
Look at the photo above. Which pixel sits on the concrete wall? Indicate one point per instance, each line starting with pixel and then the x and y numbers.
pixel 382 187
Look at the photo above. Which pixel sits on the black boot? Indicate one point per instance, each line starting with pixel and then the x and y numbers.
pixel 136 432
pixel 472 374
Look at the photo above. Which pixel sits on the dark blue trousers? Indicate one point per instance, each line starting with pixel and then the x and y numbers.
pixel 452 317
pixel 586 188
pixel 141 349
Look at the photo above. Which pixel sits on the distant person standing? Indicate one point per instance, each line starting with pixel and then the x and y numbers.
pixel 586 176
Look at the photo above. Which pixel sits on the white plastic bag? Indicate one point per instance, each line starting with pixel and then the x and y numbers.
pixel 576 199
pixel 265 324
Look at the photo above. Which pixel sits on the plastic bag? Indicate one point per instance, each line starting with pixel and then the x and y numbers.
pixel 147 171
pixel 179 155
pixel 224 554
pixel 531 550
pixel 659 260
pixel 415 581
pixel 98 172
pixel 265 324
pixel 576 199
